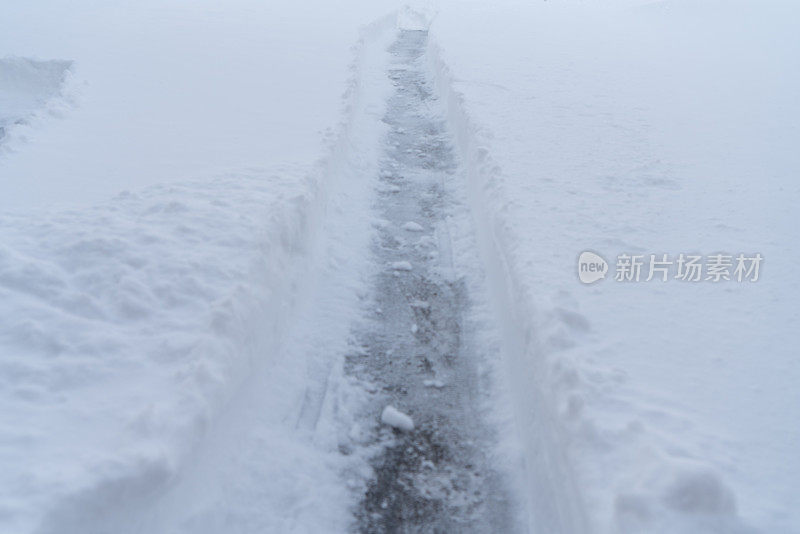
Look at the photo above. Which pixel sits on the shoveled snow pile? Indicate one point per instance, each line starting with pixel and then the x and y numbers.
pixel 125 326
pixel 132 328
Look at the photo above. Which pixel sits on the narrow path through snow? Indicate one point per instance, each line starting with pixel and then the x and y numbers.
pixel 432 474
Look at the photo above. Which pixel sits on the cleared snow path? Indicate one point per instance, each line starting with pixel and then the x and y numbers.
pixel 432 475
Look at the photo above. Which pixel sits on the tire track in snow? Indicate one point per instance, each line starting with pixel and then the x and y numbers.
pixel 436 477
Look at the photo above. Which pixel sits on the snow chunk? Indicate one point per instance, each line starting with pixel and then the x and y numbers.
pixel 395 418
pixel 411 226
pixel 438 384
pixel 401 266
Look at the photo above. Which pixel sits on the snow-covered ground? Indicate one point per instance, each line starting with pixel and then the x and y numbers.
pixel 155 239
pixel 125 326
pixel 186 209
pixel 669 127
pixel 26 88
pixel 171 91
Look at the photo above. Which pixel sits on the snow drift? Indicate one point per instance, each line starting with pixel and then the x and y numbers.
pixel 646 128
pixel 143 334
pixel 127 326
pixel 137 331
pixel 29 89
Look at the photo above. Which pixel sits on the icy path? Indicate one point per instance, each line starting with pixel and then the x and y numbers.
pixel 413 346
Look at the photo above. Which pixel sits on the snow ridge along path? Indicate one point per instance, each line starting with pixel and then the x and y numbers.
pixel 412 348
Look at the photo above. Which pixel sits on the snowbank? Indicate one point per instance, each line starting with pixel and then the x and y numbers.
pixel 143 329
pixel 142 333
pixel 27 88
pixel 663 128
pixel 272 460
pixel 127 325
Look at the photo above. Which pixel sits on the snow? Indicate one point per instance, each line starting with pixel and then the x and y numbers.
pixel 412 226
pixel 185 226
pixel 27 87
pixel 637 128
pixel 157 239
pixel 169 91
pixel 401 266
pixel 395 418
pixel 127 325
